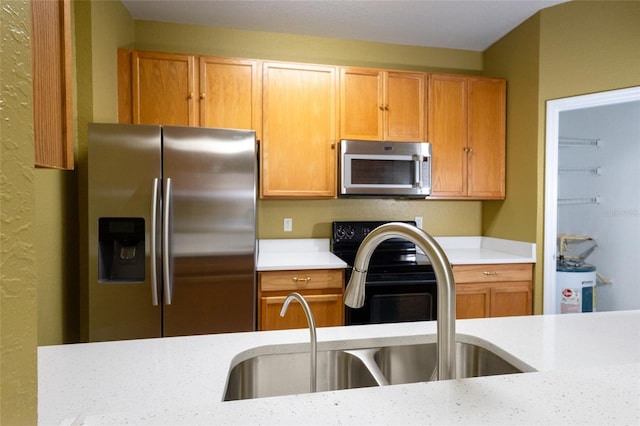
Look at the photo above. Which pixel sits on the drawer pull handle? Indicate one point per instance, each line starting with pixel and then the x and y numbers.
pixel 490 273
pixel 301 280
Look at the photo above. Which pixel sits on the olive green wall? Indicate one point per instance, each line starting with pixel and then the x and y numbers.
pixel 571 49
pixel 204 40
pixel 583 47
pixel 18 296
pixel 103 27
pixel 516 58
pixel 100 27
pixel 312 219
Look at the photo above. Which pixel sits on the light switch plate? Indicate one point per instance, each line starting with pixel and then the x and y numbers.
pixel 288 224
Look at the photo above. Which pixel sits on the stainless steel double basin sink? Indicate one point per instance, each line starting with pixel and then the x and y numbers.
pixel 289 373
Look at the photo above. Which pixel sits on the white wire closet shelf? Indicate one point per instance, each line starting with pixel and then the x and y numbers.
pixel 584 171
pixel 563 201
pixel 564 141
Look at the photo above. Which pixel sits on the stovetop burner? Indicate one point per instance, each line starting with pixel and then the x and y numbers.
pixel 389 255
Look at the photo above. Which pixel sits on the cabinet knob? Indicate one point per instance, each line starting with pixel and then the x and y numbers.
pixel 301 280
pixel 381 107
pixel 202 95
pixel 190 95
pixel 386 107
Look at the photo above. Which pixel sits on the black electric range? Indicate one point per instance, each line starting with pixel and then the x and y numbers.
pixel 401 284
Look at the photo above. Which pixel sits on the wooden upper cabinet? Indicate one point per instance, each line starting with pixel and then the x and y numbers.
pixel 360 104
pixel 298 155
pixel 467 131
pixel 487 137
pixel 188 90
pixel 52 87
pixel 382 105
pixel 448 134
pixel 404 106
pixel 163 89
pixel 229 93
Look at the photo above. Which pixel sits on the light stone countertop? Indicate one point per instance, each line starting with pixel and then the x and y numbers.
pixel 587 371
pixel 315 253
pixel 298 253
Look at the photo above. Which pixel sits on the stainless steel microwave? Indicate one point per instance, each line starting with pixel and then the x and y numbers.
pixel 385 169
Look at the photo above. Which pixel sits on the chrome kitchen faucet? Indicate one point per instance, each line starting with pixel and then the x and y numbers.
pixel 355 292
pixel 313 353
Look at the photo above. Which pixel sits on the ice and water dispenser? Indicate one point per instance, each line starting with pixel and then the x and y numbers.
pixel 121 249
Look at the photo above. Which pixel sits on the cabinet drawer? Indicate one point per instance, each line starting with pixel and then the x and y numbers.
pixel 492 272
pixel 309 279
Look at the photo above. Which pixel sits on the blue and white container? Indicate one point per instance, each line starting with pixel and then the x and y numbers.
pixel 576 286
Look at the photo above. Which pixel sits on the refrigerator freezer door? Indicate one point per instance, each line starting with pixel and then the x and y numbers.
pixel 124 165
pixel 211 230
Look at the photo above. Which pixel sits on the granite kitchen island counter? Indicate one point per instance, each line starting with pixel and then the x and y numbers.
pixel 585 370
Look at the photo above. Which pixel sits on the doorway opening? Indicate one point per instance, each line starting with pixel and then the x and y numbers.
pixel 592 190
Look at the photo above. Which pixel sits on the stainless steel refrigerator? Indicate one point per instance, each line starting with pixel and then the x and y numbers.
pixel 172 239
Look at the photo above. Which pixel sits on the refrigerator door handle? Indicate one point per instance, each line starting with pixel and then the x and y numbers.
pixel 154 233
pixel 165 245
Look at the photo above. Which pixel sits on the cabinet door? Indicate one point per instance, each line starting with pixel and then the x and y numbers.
pixel 511 299
pixel 229 93
pixel 163 89
pixel 327 309
pixel 487 106
pixel 447 130
pixel 473 301
pixel 298 156
pixel 493 290
pixel 360 104
pixel 404 107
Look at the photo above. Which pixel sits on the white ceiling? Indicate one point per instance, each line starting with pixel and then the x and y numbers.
pixel 456 24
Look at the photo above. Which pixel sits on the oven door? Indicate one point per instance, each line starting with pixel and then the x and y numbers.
pixel 397 300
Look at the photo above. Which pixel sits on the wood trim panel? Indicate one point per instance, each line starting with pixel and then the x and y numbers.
pixel 125 89
pixel 52 84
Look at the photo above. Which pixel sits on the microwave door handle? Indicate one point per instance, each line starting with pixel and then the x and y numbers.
pixel 417 173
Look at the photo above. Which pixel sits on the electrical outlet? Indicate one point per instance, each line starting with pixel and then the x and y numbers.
pixel 418 220
pixel 288 224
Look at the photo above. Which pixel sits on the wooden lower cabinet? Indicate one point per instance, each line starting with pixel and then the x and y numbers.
pixel 493 290
pixel 323 290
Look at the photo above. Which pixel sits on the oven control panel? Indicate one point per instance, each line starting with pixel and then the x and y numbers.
pixel 356 231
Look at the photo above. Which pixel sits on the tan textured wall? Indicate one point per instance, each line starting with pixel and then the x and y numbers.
pixel 18 304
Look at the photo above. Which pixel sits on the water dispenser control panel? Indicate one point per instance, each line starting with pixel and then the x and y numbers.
pixel 121 249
